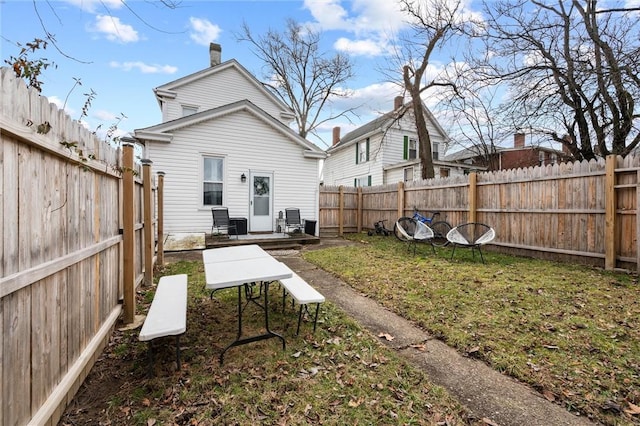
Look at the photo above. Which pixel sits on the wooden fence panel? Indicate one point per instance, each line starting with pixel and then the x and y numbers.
pixel 60 260
pixel 555 211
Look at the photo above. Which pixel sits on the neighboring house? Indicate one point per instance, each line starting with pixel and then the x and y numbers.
pixel 518 157
pixel 385 150
pixel 225 140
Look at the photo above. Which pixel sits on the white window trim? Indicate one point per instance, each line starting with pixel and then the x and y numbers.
pixel 409 148
pixel 201 180
pixel 183 107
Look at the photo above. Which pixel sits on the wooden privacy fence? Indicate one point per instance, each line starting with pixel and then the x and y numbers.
pixel 73 233
pixel 583 211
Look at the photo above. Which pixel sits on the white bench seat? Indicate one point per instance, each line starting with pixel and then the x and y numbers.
pixel 167 315
pixel 303 294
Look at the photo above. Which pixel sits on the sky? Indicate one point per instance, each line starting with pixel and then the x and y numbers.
pixel 122 51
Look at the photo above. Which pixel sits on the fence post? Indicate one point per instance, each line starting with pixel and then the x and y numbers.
pixel 128 236
pixel 400 199
pixel 359 218
pixel 160 219
pixel 610 213
pixel 473 197
pixel 341 211
pixel 148 221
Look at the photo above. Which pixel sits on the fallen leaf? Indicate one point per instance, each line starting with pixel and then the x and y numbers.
pixel 473 349
pixel 151 422
pixel 489 422
pixel 146 402
pixel 421 347
pixel 353 403
pixel 550 346
pixel 297 354
pixel 386 336
pixel 633 409
pixel 549 395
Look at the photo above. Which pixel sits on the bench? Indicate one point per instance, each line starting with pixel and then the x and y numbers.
pixel 167 315
pixel 303 294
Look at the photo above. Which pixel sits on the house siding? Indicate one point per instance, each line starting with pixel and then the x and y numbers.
pixel 247 143
pixel 340 168
pixel 222 88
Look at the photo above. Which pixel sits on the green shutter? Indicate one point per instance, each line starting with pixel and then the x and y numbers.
pixel 369 180
pixel 356 153
pixel 355 182
pixel 406 148
pixel 368 150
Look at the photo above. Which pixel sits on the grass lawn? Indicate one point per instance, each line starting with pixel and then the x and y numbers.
pixel 339 375
pixel 570 331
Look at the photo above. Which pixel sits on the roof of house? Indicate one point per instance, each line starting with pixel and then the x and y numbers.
pixel 162 132
pixel 380 124
pixel 231 63
pixel 476 151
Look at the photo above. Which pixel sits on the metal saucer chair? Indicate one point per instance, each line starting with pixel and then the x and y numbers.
pixel 471 235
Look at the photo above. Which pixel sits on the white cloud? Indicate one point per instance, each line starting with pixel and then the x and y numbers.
pixel 203 31
pixel 114 29
pixel 144 68
pixel 91 5
pixel 358 47
pixel 364 16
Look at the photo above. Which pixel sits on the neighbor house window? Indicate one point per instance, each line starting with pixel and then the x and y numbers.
pixel 554 158
pixel 408 174
pixel 444 172
pixel 212 181
pixel 410 148
pixel 188 110
pixel 541 157
pixel 362 151
pixel 362 181
pixel 436 151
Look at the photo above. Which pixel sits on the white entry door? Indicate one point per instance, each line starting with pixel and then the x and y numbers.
pixel 260 202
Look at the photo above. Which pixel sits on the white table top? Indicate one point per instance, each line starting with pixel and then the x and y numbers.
pixel 237 272
pixel 226 254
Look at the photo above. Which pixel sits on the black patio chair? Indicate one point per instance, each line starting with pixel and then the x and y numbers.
pixel 221 221
pixel 471 235
pixel 292 221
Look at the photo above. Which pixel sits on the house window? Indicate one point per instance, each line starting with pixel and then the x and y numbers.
pixel 408 174
pixel 410 148
pixel 436 151
pixel 188 110
pixel 444 172
pixel 212 181
pixel 554 158
pixel 362 181
pixel 362 151
pixel 541 157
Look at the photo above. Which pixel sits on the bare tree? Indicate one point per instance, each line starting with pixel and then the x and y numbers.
pixel 572 71
pixel 475 120
pixel 302 76
pixel 433 24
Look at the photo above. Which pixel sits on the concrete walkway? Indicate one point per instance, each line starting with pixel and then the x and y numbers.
pixel 485 392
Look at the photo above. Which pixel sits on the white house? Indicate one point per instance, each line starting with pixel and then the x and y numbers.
pixel 225 141
pixel 385 151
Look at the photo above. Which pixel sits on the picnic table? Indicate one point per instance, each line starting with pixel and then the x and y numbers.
pixel 241 267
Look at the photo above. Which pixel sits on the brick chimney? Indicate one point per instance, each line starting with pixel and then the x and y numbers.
pixel 336 135
pixel 215 54
pixel 518 140
pixel 398 101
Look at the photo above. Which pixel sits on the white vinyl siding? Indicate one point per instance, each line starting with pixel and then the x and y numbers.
pixel 221 88
pixel 264 149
